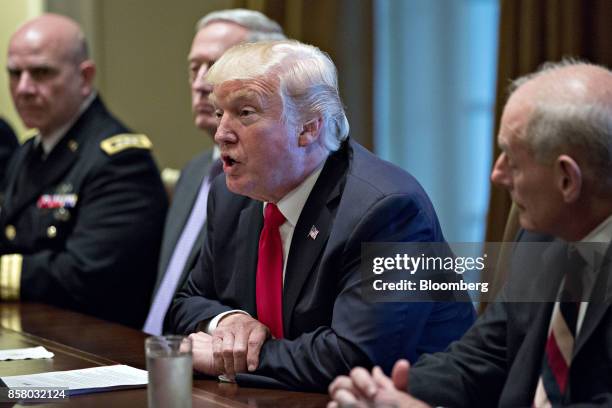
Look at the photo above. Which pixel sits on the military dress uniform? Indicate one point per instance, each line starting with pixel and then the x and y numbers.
pixel 8 144
pixel 81 228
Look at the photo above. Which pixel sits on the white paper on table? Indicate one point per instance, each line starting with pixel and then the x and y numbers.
pixel 83 381
pixel 25 353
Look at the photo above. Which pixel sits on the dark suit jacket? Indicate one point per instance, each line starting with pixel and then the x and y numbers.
pixel 8 144
pixel 499 360
pixel 185 194
pixel 98 256
pixel 328 326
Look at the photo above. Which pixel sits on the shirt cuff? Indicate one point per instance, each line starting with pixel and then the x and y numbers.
pixel 214 322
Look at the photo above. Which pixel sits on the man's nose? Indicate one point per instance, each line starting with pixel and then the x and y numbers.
pixel 25 84
pixel 225 133
pixel 500 174
pixel 199 84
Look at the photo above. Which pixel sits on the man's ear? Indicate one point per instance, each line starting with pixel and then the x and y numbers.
pixel 310 132
pixel 569 178
pixel 88 73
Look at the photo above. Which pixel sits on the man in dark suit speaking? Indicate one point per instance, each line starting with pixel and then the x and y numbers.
pixel 183 231
pixel 276 291
pixel 556 162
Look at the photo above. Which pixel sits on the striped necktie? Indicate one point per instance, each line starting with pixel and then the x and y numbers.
pixel 554 377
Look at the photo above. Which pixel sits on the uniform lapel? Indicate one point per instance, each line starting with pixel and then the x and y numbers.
pixel 61 158
pixel 59 161
pixel 9 206
pixel 312 231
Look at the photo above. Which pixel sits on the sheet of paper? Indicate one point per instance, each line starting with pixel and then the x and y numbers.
pixel 83 381
pixel 25 353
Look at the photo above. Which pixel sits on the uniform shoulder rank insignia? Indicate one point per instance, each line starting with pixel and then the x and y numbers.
pixel 119 143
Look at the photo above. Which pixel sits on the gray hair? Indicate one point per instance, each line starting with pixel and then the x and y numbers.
pixel 261 28
pixel 308 82
pixel 80 50
pixel 560 124
pixel 544 69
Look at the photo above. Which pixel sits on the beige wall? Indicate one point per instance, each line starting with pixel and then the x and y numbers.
pixel 144 46
pixel 12 14
pixel 140 47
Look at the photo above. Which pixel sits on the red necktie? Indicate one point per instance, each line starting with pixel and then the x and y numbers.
pixel 269 284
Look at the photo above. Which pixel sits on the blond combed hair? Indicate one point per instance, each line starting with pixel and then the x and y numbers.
pixel 308 82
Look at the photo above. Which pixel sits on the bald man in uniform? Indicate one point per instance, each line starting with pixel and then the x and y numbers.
pixel 84 205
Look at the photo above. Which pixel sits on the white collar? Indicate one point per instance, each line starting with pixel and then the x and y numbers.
pixel 601 234
pixel 292 203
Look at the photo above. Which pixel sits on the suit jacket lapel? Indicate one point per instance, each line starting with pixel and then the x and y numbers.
pixel 193 188
pixel 249 228
pixel 318 213
pixel 528 314
pixel 177 219
pixel 189 194
pixel 599 302
pixel 526 365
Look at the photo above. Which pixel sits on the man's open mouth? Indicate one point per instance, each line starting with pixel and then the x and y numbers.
pixel 228 161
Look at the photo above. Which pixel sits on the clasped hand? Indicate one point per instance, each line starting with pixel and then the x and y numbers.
pixel 362 389
pixel 232 348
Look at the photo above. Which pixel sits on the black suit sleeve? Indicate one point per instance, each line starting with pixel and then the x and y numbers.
pixel 197 301
pixel 472 372
pixel 109 257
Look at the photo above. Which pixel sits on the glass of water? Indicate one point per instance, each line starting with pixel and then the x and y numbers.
pixel 169 364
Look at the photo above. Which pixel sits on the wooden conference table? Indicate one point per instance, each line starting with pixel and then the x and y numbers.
pixel 81 341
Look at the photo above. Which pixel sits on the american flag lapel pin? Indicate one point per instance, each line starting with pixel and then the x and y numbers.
pixel 313 233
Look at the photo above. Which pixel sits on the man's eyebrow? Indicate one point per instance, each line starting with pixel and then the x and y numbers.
pixel 36 65
pixel 245 95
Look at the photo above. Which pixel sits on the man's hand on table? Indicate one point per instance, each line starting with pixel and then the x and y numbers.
pixel 232 348
pixel 236 343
